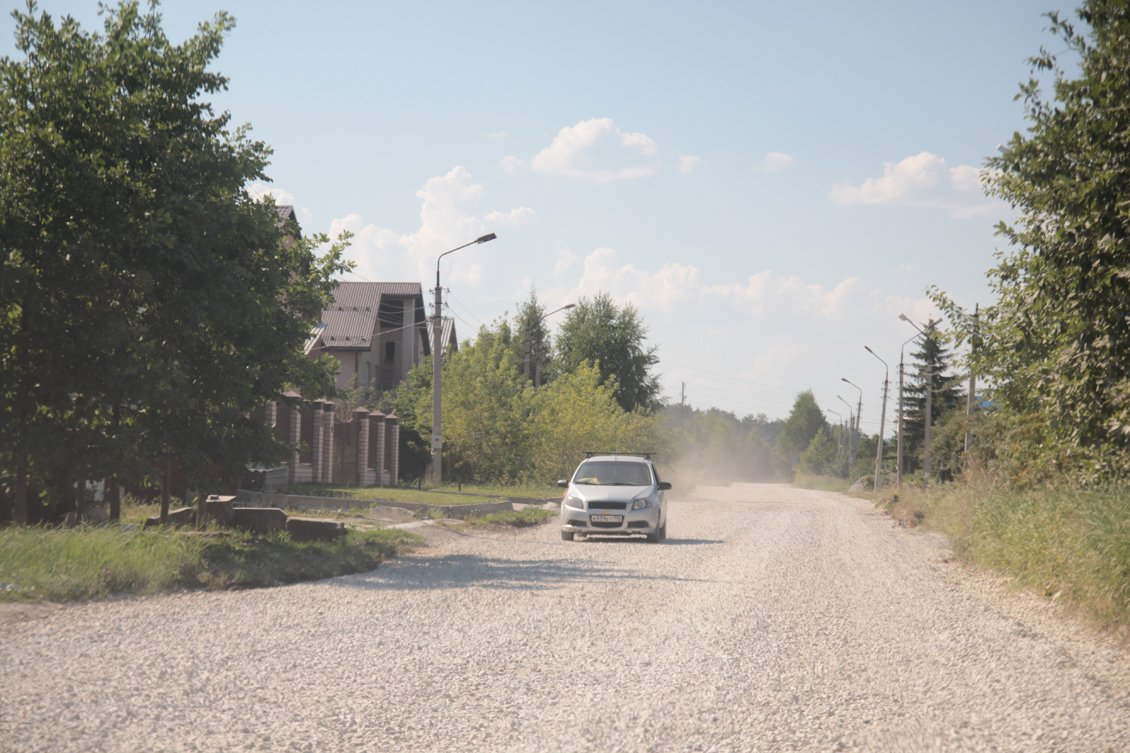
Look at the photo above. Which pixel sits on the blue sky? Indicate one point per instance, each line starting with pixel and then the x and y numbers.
pixel 770 184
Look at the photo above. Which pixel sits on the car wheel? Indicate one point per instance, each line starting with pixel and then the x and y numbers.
pixel 662 532
pixel 567 535
pixel 652 538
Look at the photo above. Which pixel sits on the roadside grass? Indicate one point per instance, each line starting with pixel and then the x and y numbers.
pixel 524 518
pixel 87 562
pixel 1068 543
pixel 447 496
pixel 821 483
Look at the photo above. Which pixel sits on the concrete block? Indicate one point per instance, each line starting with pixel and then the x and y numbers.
pixel 259 519
pixel 182 516
pixel 308 529
pixel 219 509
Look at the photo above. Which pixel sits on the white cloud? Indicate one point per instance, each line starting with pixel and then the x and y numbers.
pixel 282 197
pixel 511 219
pixel 771 361
pixel 688 163
pixel 566 260
pixel 921 180
pixel 681 287
pixel 512 164
pixel 598 151
pixel 449 217
pixel 775 162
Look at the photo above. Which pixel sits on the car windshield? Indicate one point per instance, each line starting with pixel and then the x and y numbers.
pixel 607 473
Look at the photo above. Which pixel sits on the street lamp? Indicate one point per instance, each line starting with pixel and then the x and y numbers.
pixel 858 413
pixel 840 433
pixel 929 417
pixel 537 365
pixel 851 419
pixel 437 359
pixel 898 452
pixel 882 419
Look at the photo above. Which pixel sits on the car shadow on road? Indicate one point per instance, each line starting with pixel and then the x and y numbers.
pixel 469 570
pixel 666 542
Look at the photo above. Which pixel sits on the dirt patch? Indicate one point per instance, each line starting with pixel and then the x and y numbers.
pixel 12 613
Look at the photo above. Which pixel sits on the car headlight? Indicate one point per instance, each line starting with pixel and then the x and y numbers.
pixel 575 502
pixel 642 502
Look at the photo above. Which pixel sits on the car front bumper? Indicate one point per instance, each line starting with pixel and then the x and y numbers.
pixel 610 522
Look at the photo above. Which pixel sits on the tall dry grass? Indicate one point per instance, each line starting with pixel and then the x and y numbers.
pixel 1061 540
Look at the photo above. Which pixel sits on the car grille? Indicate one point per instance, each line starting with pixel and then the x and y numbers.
pixel 608 505
pixel 596 524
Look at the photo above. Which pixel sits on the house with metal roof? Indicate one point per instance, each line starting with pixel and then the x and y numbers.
pixel 376 330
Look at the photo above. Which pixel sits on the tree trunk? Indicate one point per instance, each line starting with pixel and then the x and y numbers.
pixel 114 498
pixel 19 497
pixel 166 479
pixel 80 501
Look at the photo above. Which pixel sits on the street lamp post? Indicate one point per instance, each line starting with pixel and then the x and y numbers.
pixel 898 452
pixel 437 364
pixel 851 419
pixel 882 419
pixel 840 433
pixel 858 414
pixel 537 362
pixel 929 417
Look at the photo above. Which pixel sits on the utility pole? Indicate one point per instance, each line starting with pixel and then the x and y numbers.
pixel 851 423
pixel 858 413
pixel 902 372
pixel 898 452
pixel 929 421
pixel 929 417
pixel 972 380
pixel 882 420
pixel 437 366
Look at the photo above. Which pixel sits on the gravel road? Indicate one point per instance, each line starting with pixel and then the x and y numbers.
pixel 773 619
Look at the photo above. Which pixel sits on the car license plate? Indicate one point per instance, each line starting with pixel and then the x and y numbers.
pixel 607 518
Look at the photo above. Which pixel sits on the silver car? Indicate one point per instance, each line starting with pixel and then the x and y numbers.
pixel 614 495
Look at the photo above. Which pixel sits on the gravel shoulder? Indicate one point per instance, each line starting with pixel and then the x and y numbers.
pixel 772 619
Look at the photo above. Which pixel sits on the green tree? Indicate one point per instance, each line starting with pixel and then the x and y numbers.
pixel 822 456
pixel 1056 343
pixel 160 300
pixel 803 423
pixel 930 370
pixel 615 339
pixel 531 339
pixel 578 412
pixel 715 447
pixel 485 423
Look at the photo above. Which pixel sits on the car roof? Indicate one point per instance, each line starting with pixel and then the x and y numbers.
pixel 620 458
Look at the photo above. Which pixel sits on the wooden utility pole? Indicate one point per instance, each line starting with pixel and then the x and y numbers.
pixel 969 402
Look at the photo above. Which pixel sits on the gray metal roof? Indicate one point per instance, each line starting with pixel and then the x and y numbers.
pixel 447 335
pixel 352 318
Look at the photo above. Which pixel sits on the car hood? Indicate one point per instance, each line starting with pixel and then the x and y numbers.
pixel 595 493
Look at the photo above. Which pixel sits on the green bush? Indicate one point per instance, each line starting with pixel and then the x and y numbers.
pixel 74 564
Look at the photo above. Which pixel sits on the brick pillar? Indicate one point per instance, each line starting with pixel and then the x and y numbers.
pixel 295 439
pixel 361 422
pixel 393 424
pixel 316 451
pixel 377 435
pixel 271 414
pixel 327 443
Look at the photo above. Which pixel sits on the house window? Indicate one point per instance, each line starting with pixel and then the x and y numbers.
pixel 390 352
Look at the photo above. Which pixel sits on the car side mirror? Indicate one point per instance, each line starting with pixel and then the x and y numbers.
pixel 664 486
pixel 563 483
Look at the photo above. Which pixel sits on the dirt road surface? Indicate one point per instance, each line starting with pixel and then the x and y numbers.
pixel 773 619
